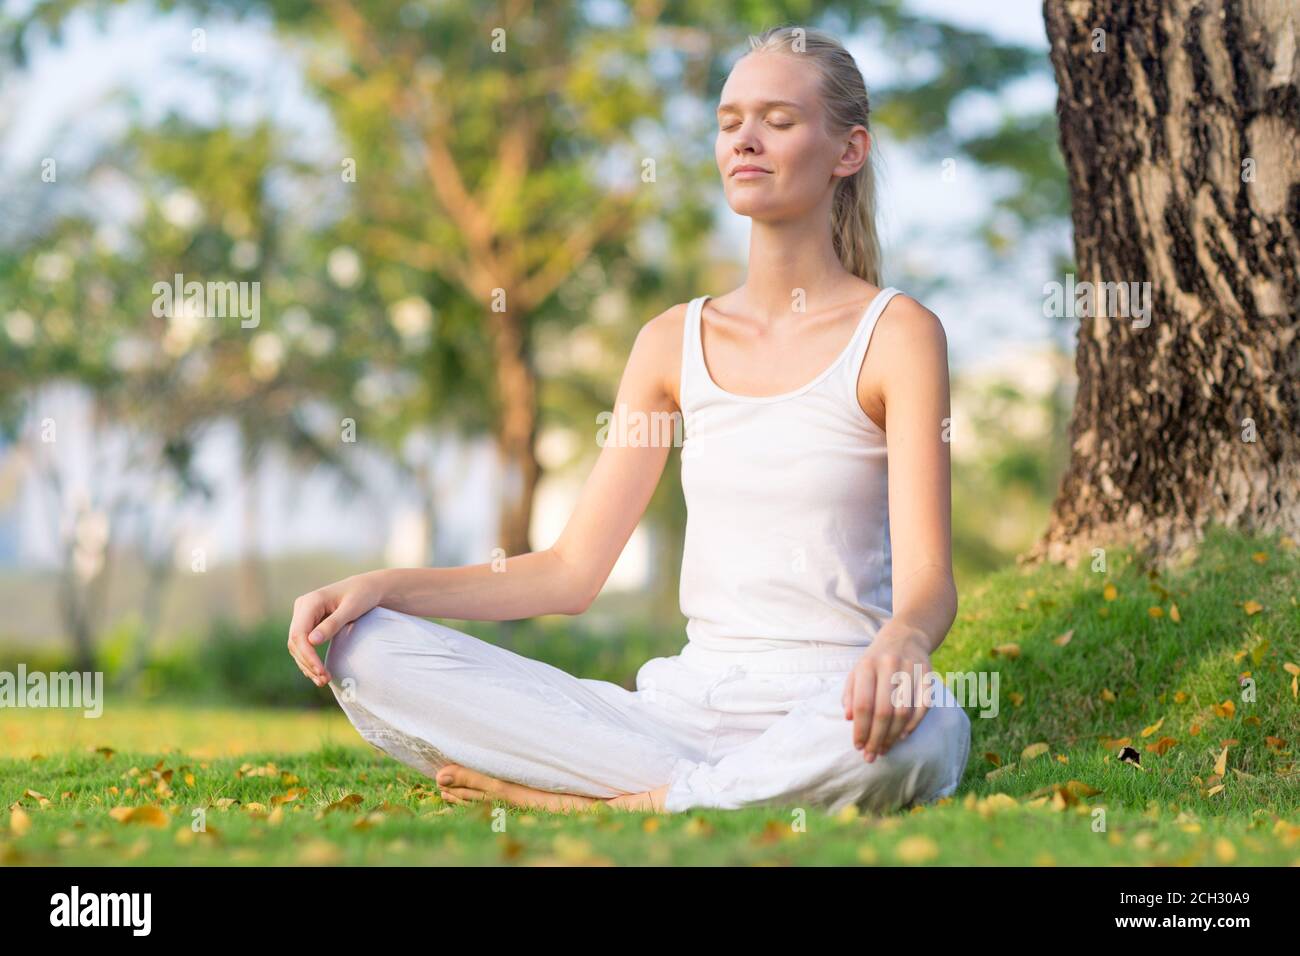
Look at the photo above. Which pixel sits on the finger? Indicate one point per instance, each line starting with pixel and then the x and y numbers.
pixel 306 657
pixel 918 713
pixel 864 697
pixel 328 628
pixel 902 696
pixel 308 661
pixel 307 611
pixel 305 615
pixel 882 712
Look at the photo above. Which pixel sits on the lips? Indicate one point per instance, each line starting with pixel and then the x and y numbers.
pixel 749 169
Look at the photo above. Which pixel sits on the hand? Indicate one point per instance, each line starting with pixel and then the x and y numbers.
pixel 319 615
pixel 878 720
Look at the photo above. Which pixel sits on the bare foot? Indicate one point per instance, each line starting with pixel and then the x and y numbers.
pixel 461 785
pixel 651 801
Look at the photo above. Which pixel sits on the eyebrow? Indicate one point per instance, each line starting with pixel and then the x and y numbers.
pixel 767 104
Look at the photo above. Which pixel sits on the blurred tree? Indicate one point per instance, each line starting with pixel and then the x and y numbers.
pixel 492 178
pixel 159 373
pixel 505 168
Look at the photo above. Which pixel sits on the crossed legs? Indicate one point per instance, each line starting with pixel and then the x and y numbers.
pixel 488 724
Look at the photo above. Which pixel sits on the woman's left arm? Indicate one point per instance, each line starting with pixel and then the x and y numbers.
pixel 907 369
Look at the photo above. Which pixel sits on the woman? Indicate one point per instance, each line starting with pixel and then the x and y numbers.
pixel 807 587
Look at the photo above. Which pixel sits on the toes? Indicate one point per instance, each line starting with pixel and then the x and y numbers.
pixel 454 775
pixel 461 786
pixel 463 795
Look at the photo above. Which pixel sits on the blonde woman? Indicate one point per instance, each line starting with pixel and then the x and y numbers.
pixel 816 577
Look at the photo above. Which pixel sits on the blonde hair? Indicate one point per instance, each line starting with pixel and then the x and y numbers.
pixel 853 212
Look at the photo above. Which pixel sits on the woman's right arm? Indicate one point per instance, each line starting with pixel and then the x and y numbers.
pixel 562 579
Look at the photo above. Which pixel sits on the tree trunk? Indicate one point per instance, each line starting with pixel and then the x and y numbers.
pixel 1182 139
pixel 516 431
pixel 254 595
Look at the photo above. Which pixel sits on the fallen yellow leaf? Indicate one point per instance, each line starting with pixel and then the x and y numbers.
pixel 1033 750
pixel 698 826
pixel 146 814
pixel 916 849
pixel 1148 731
pixel 1226 709
pixel 19 822
pixel 350 802
pixel 319 853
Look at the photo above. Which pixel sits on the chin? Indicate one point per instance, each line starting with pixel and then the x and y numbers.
pixel 756 207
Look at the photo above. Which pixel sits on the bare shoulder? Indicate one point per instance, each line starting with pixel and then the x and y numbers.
pixel 906 326
pixel 664 331
pixel 908 353
pixel 656 354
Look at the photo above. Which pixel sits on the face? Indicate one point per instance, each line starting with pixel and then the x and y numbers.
pixel 770 117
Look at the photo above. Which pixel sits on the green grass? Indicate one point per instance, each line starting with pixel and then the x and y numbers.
pixel 1174 810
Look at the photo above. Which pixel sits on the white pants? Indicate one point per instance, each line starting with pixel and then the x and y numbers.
pixel 722 730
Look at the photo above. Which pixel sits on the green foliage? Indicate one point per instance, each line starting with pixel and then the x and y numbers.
pixel 232 665
pixel 1157 669
pixel 1007 459
pixel 477 170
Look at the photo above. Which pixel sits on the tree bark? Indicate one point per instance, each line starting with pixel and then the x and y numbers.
pixel 1182 140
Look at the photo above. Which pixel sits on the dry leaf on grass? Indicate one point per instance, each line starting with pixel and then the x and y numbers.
pixel 1034 750
pixel 146 815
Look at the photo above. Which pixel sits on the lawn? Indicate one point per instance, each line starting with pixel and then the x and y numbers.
pixel 1194 670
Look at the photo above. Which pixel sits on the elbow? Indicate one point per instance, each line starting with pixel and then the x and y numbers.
pixel 577 589
pixel 950 606
pixel 578 602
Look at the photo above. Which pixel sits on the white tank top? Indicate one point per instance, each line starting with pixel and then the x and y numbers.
pixel 787 529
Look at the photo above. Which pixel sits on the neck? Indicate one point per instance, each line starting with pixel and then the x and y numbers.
pixel 790 256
